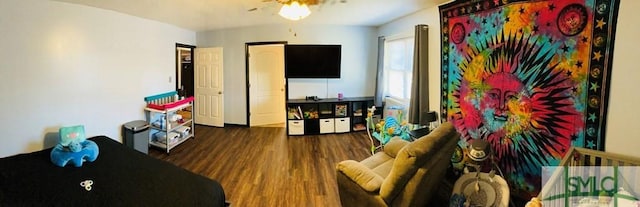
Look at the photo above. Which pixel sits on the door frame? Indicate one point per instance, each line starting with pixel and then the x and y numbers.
pixel 246 61
pixel 192 48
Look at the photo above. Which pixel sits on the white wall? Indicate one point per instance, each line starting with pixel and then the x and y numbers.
pixel 623 120
pixel 65 64
pixel 358 61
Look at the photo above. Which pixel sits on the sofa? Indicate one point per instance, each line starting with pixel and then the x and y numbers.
pixel 403 174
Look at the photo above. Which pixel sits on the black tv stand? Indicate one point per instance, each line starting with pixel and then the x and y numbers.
pixel 330 115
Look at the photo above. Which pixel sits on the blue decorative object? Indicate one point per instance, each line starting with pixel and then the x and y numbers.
pixel 457 200
pixel 60 156
pixel 73 146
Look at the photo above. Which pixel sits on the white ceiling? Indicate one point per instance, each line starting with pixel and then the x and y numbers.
pixel 203 15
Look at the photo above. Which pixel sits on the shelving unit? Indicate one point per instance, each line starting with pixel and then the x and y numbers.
pixel 359 114
pixel 305 117
pixel 171 120
pixel 341 117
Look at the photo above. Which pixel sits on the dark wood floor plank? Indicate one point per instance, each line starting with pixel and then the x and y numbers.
pixel 262 166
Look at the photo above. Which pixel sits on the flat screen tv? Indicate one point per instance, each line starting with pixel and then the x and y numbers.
pixel 312 61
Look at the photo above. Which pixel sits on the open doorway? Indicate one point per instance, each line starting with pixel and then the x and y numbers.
pixel 184 69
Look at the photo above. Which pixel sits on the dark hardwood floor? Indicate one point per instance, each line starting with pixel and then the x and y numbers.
pixel 262 166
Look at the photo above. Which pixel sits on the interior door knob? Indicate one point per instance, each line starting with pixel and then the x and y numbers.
pixel 282 89
pixel 219 92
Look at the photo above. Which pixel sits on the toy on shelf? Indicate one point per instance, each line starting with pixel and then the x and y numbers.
pixel 311 114
pixel 341 110
pixel 294 113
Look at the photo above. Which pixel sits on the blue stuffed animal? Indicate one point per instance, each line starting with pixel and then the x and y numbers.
pixel 73 146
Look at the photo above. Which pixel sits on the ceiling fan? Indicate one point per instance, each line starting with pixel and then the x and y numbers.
pixel 307 2
pixel 297 9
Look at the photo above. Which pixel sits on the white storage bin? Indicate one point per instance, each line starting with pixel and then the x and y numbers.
pixel 296 127
pixel 162 137
pixel 342 125
pixel 184 131
pixel 327 126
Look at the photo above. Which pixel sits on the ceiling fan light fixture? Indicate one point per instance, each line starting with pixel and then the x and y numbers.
pixel 294 11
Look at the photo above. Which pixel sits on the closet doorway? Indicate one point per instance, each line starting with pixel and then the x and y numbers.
pixel 184 69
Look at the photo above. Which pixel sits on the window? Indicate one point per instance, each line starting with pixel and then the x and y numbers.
pixel 398 67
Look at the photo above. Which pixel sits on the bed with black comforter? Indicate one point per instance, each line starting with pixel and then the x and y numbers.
pixel 121 177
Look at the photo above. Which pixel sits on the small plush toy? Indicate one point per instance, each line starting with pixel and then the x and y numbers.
pixel 73 146
pixel 72 137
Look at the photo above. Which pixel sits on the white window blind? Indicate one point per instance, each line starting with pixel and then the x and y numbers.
pixel 398 67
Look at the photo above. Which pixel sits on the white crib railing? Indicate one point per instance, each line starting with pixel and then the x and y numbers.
pixel 575 162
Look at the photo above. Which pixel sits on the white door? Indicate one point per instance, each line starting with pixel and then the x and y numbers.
pixel 266 84
pixel 209 93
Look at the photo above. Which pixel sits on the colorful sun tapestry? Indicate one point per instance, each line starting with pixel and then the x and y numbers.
pixel 530 77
